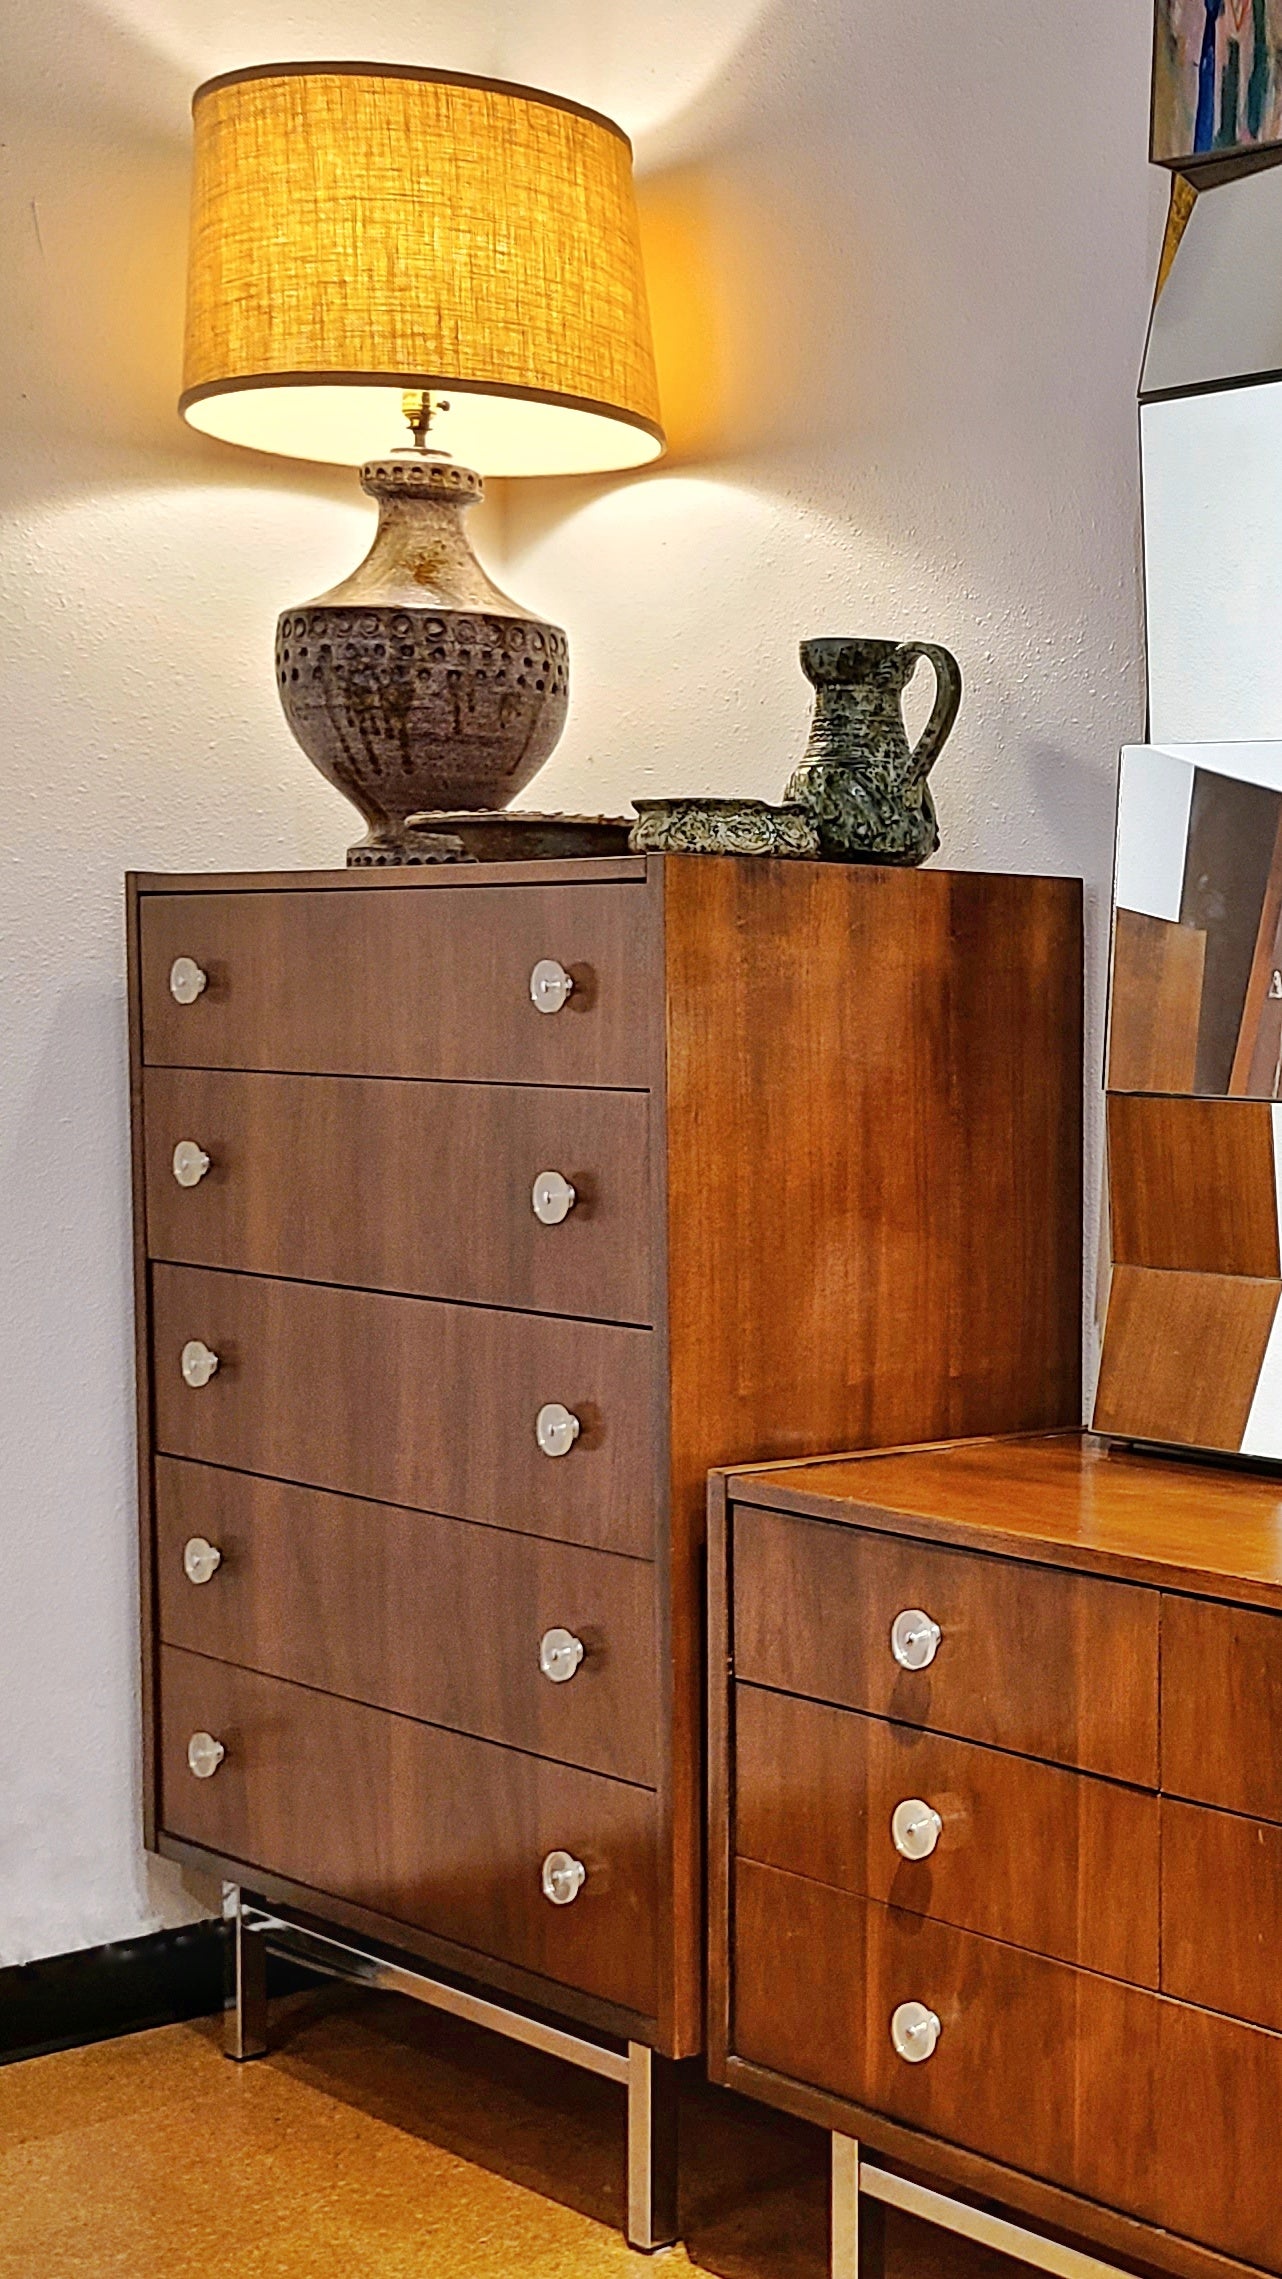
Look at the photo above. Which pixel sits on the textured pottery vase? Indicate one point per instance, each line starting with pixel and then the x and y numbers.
pixel 860 780
pixel 415 683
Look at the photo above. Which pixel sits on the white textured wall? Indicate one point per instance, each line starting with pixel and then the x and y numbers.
pixel 901 261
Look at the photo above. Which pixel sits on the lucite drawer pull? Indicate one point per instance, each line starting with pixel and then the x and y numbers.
pixel 556 1429
pixel 198 1363
pixel 201 1560
pixel 186 980
pixel 915 2032
pixel 914 1639
pixel 190 1163
pixel 915 1828
pixel 560 1654
pixel 563 1878
pixel 204 1755
pixel 550 985
pixel 552 1198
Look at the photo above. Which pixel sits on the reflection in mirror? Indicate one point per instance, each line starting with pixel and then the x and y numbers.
pixel 1219 316
pixel 1196 997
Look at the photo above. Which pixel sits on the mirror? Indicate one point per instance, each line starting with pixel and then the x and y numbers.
pixel 1219 315
pixel 1196 998
pixel 1211 448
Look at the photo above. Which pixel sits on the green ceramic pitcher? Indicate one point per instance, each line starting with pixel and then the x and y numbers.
pixel 861 781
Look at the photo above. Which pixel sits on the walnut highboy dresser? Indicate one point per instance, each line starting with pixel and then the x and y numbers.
pixel 996 1859
pixel 479 1211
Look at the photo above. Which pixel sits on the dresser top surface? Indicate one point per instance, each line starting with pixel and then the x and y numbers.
pixel 571 870
pixel 1064 1499
pixel 833 879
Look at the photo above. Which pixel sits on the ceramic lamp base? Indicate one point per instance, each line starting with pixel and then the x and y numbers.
pixel 416 684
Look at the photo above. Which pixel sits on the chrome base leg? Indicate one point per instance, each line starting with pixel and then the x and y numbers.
pixel 858 2223
pixel 245 2013
pixel 652 2149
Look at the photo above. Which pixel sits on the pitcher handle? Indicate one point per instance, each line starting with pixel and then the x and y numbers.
pixel 948 696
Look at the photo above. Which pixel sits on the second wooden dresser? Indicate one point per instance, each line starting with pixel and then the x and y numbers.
pixel 996 1865
pixel 478 1212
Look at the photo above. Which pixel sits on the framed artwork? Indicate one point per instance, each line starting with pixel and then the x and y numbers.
pixel 1217 80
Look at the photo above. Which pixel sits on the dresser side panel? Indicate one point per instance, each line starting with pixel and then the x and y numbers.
pixel 874 1119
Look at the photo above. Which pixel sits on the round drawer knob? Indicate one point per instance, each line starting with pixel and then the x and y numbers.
pixel 915 2032
pixel 190 1163
pixel 186 980
pixel 553 1198
pixel 563 1878
pixel 915 1828
pixel 198 1363
pixel 560 1654
pixel 204 1755
pixel 550 985
pixel 201 1560
pixel 556 1429
pixel 914 1639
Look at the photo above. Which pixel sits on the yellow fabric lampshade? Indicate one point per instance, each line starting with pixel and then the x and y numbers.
pixel 362 229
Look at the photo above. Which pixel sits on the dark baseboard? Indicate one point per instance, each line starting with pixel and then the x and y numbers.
pixel 99 1992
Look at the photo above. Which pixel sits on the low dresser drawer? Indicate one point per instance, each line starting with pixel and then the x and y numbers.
pixel 1058 1862
pixel 1166 2112
pixel 1222 1705
pixel 418 981
pixel 543 1646
pixel 1050 1664
pixel 1222 1912
pixel 511 1195
pixel 407 1401
pixel 435 1829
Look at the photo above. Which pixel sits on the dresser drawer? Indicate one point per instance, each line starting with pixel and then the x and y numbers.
pixel 1222 1912
pixel 411 1402
pixel 426 1827
pixel 1222 1705
pixel 393 1185
pixel 1054 1861
pixel 1030 1658
pixel 428 981
pixel 432 1617
pixel 1163 2111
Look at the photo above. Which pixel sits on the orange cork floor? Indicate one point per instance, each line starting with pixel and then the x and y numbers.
pixel 381 2141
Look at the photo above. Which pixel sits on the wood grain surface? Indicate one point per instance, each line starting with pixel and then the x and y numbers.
pixel 1182 1356
pixel 407 1401
pixel 874 1156
pixel 1231 1657
pixel 1065 1499
pixel 432 1617
pixel 1054 1861
pixel 1221 1907
pixel 1166 2111
pixel 409 984
pixel 1155 1004
pixel 1053 1665
pixel 1192 1185
pixel 422 1187
pixel 416 1824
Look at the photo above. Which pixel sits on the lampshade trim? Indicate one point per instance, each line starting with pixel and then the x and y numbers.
pixel 414 71
pixel 238 383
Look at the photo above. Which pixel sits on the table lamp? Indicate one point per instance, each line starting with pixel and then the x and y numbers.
pixel 424 275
